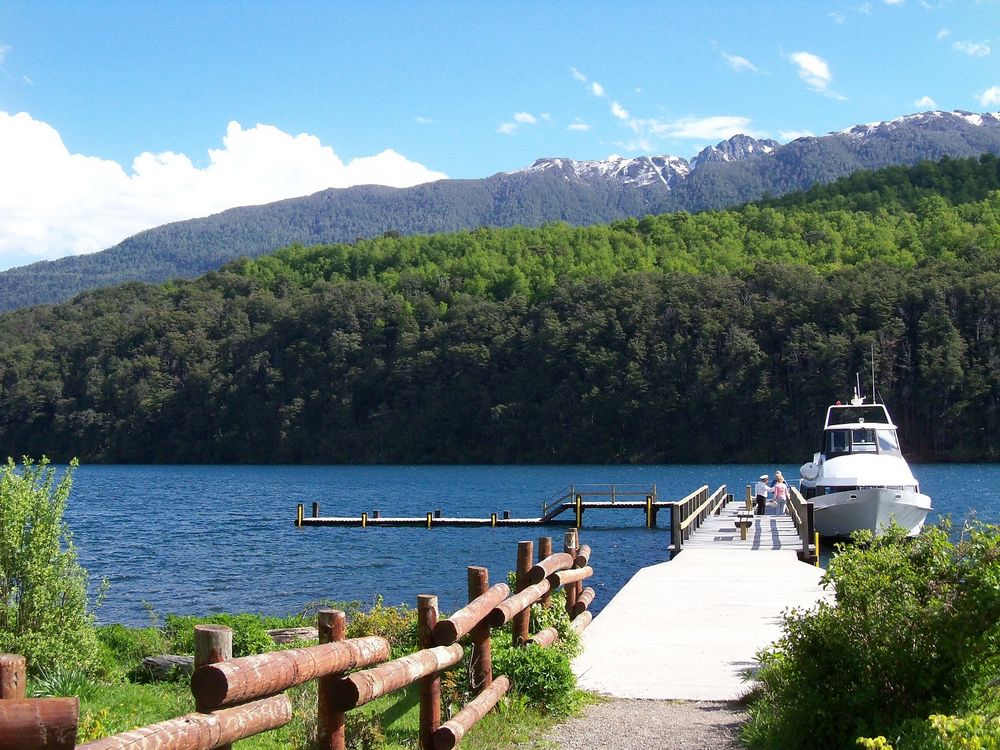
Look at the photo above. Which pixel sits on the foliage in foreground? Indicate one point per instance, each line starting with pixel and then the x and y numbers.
pixel 119 699
pixel 913 632
pixel 44 612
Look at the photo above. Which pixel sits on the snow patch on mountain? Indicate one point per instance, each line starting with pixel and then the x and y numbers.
pixel 987 119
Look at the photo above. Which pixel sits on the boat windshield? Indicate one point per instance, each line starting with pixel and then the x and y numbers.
pixel 872 413
pixel 861 440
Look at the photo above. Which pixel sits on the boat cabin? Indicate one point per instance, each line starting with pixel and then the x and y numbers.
pixel 859 429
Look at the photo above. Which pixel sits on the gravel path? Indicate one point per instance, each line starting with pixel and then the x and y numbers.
pixel 652 725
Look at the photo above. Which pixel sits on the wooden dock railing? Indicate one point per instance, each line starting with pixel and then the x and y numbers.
pixel 801 511
pixel 687 514
pixel 239 698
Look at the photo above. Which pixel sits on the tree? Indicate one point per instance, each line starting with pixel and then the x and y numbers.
pixel 44 613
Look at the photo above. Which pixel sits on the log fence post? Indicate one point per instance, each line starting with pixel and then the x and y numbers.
pixel 544 550
pixel 13 676
pixel 331 723
pixel 570 545
pixel 212 644
pixel 519 624
pixel 430 686
pixel 481 660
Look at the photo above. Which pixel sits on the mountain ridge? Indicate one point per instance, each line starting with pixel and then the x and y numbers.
pixel 737 170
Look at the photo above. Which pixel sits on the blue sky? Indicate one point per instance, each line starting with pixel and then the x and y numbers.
pixel 116 116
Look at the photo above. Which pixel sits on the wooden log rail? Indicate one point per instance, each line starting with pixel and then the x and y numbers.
pixel 243 697
pixel 689 513
pixel 801 511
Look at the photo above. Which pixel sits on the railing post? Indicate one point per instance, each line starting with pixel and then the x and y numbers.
pixel 544 550
pixel 481 660
pixel 519 624
pixel 13 676
pixel 331 734
pixel 571 545
pixel 212 644
pixel 579 511
pixel 650 522
pixel 676 537
pixel 430 686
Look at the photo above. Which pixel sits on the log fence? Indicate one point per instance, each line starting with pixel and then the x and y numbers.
pixel 243 697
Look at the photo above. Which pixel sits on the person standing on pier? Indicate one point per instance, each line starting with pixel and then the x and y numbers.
pixel 761 490
pixel 780 490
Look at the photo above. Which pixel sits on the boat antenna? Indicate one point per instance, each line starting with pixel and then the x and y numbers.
pixel 874 399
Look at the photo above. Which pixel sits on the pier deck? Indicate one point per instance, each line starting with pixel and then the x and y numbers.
pixel 688 629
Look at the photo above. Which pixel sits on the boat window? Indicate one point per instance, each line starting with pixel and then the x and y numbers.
pixel 887 442
pixel 837 441
pixel 854 414
pixel 863 439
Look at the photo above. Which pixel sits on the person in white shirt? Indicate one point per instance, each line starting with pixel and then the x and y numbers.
pixel 761 490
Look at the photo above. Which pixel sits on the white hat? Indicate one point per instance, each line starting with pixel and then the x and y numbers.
pixel 764 477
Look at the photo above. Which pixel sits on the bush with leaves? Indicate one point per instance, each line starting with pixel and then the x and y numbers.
pixel 249 634
pixel 914 630
pixel 44 611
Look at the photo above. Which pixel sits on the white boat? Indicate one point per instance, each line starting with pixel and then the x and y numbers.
pixel 860 479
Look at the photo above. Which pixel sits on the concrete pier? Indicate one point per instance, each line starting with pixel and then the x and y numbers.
pixel 689 629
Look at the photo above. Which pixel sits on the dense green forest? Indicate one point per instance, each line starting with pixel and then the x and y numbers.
pixel 707 337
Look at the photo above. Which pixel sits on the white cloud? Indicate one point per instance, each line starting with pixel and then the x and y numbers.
pixel 421 120
pixel 815 72
pixel 55 203
pixel 812 69
pixel 943 34
pixel 579 127
pixel 739 64
pixel 525 118
pixel 4 51
pixel 990 97
pixel 925 101
pixel 507 128
pixel 837 17
pixel 973 49
pixel 715 128
pixel 596 89
pixel 893 2
pixel 578 75
pixel 619 111
pixel 791 135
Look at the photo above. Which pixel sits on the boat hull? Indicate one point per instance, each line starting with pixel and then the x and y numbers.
pixel 839 514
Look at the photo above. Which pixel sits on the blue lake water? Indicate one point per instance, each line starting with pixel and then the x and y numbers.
pixel 203 539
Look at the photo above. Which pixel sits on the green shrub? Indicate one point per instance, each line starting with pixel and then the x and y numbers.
pixel 124 648
pixel 914 630
pixel 543 675
pixel 44 613
pixel 398 625
pixel 249 634
pixel 61 682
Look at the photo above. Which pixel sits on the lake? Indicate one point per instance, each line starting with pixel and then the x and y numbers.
pixel 204 539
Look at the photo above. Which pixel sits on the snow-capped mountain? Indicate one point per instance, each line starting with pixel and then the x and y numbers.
pixel 643 171
pixel 734 171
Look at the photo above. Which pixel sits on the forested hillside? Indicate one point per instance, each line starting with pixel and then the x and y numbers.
pixel 710 337
pixel 529 197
